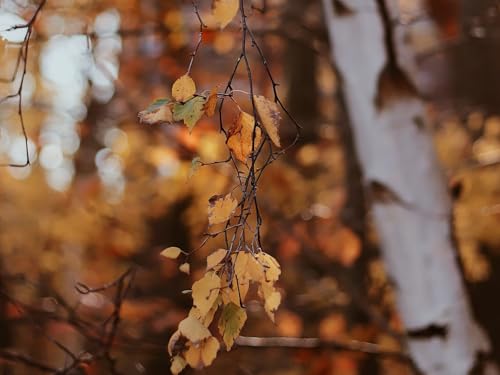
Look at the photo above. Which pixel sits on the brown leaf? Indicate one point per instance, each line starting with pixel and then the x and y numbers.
pixel 211 103
pixel 270 117
pixel 241 136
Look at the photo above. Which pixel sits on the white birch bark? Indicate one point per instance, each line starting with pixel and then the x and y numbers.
pixel 415 236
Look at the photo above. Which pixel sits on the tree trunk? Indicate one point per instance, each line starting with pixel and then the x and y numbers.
pixel 410 204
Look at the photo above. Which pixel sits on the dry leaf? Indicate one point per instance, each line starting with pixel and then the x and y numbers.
pixel 237 292
pixel 241 136
pixel 211 103
pixel 206 319
pixel 221 208
pixel 240 260
pixel 198 356
pixel 178 364
pixel 171 252
pixel 231 322
pixel 193 330
pixel 270 117
pixel 183 89
pixel 254 269
pixel 215 258
pixel 272 303
pixel 224 11
pixel 184 267
pixel 272 269
pixel 159 112
pixel 205 292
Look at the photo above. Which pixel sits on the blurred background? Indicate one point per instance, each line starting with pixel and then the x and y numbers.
pixel 104 193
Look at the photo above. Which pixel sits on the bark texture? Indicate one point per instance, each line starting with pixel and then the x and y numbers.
pixel 410 202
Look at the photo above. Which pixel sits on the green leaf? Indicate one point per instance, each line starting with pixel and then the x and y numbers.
pixel 231 322
pixel 190 112
pixel 157 104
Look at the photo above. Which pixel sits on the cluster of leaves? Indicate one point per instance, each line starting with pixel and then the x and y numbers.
pixel 186 106
pixel 189 107
pixel 222 291
pixel 232 271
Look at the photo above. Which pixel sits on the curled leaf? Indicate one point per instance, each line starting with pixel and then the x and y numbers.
pixel 159 112
pixel 172 342
pixel 183 88
pixel 270 117
pixel 211 102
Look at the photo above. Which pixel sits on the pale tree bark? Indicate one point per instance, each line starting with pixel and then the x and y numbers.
pixel 410 203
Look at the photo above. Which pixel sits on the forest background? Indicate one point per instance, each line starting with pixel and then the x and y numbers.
pixel 83 285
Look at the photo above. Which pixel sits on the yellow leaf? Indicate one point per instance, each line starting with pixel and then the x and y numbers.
pixel 241 136
pixel 171 252
pixel 206 319
pixel 224 11
pixel 221 208
pixel 193 356
pixel 193 330
pixel 202 355
pixel 272 303
pixel 211 103
pixel 209 351
pixel 215 258
pixel 231 322
pixel 254 269
pixel 178 364
pixel 183 89
pixel 184 267
pixel 235 293
pixel 270 116
pixel 206 291
pixel 240 261
pixel 272 269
